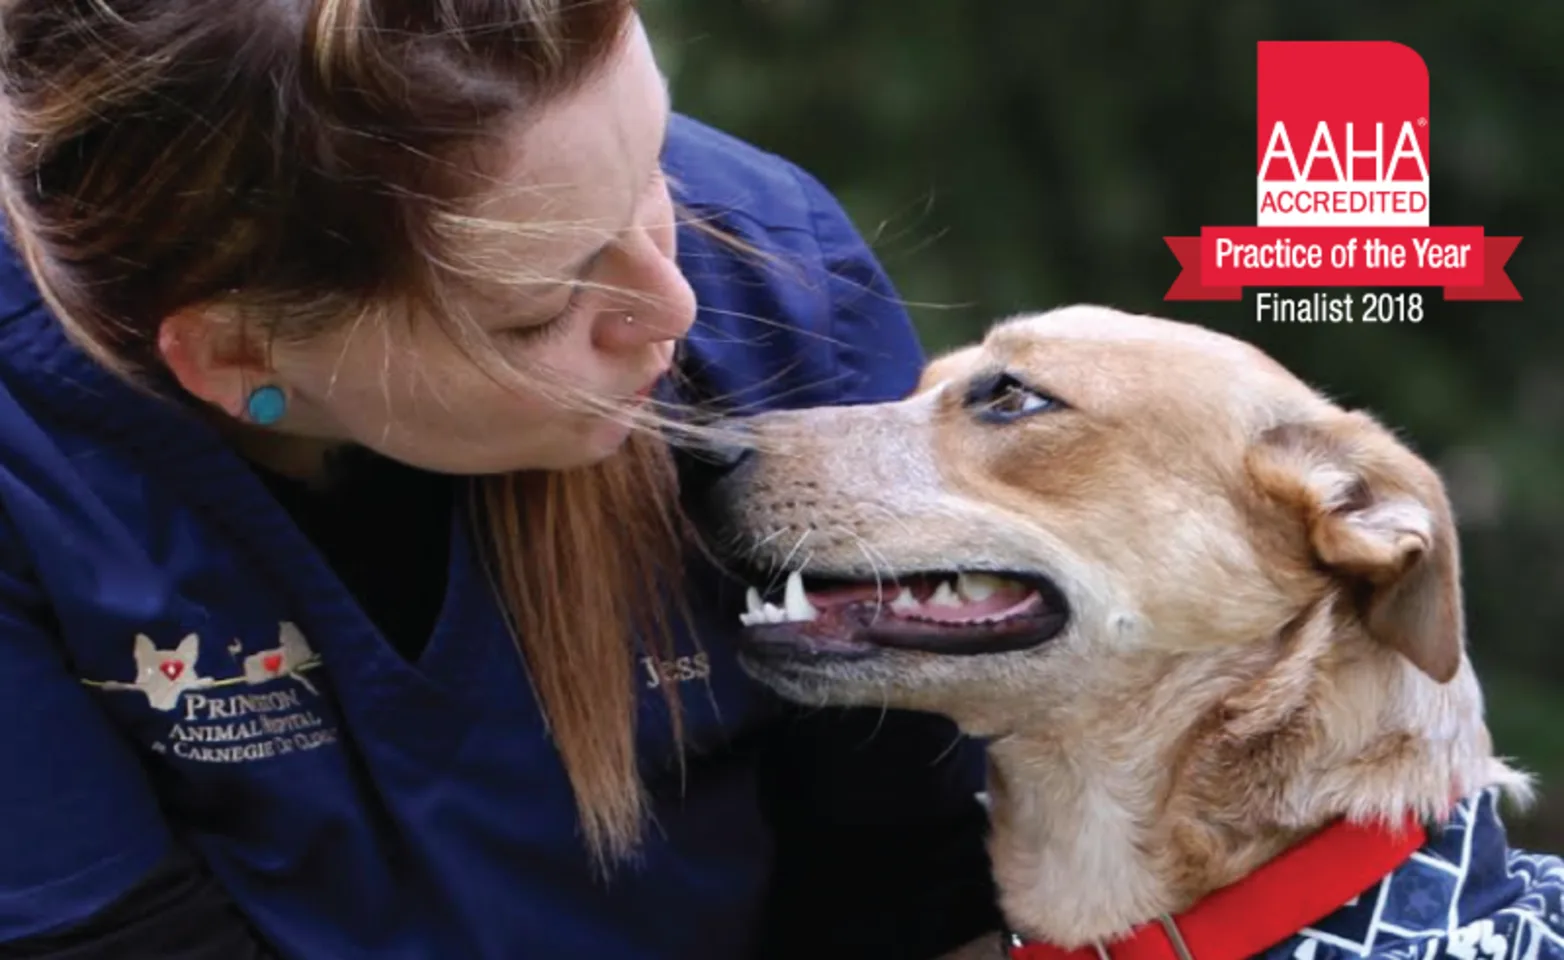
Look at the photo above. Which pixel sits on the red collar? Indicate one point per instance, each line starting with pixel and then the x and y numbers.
pixel 1301 886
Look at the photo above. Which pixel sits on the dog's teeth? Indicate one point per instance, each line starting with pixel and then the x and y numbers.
pixel 796 604
pixel 904 601
pixel 944 596
pixel 774 613
pixel 977 587
pixel 754 610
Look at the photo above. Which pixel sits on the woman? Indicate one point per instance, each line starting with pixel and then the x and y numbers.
pixel 344 610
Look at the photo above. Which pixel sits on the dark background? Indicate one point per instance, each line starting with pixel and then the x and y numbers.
pixel 1004 155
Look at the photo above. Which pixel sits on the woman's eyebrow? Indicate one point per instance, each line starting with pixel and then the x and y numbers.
pixel 583 266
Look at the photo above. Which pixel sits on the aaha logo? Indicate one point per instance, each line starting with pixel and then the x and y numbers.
pixel 1343 135
pixel 1343 195
pixel 215 723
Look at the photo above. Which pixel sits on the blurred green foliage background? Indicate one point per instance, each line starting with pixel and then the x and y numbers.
pixel 1003 155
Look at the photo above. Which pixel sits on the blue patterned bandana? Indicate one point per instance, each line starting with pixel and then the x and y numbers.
pixel 1465 895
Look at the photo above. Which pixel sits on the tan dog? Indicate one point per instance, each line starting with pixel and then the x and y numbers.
pixel 1199 610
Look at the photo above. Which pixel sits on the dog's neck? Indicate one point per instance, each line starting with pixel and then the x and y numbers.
pixel 1112 806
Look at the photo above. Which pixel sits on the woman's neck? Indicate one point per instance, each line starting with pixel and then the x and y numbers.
pixel 294 457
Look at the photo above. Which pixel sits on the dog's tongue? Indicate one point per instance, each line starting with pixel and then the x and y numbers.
pixel 965 598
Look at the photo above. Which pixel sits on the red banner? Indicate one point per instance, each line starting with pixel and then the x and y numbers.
pixel 1219 263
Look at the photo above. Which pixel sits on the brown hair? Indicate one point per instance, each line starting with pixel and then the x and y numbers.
pixel 293 159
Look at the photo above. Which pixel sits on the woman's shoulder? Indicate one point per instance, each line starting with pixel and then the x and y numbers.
pixel 718 174
pixel 794 307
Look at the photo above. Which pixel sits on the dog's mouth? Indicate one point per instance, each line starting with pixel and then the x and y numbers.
pixel 952 613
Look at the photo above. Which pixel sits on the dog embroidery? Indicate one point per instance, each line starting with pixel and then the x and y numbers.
pixel 259 718
pixel 165 674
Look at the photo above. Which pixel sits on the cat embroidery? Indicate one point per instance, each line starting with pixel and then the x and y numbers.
pixel 165 675
pixel 242 709
pixel 291 656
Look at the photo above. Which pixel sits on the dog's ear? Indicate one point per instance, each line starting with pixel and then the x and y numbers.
pixel 189 648
pixel 1376 517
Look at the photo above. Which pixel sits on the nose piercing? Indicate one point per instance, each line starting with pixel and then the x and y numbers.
pixel 629 318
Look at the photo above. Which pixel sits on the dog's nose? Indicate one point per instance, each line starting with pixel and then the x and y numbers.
pixel 717 463
pixel 719 456
pixel 712 476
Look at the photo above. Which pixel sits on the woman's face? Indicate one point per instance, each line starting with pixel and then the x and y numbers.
pixel 586 175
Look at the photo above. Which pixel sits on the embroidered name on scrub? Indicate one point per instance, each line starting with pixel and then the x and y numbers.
pixel 215 726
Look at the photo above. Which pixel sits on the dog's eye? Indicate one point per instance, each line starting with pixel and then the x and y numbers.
pixel 1001 398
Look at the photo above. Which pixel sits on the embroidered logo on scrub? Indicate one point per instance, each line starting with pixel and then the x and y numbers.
pixel 217 724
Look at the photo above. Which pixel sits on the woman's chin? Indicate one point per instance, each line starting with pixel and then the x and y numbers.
pixel 603 439
pixel 579 445
pixel 592 443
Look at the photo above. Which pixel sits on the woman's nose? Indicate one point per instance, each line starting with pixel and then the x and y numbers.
pixel 659 305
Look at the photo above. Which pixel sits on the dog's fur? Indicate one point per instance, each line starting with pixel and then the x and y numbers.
pixel 1266 623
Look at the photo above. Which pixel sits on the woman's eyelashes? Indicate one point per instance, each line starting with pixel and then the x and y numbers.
pixel 558 323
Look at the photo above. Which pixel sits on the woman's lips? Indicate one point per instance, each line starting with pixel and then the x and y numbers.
pixel 651 385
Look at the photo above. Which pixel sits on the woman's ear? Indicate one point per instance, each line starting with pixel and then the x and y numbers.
pixel 212 358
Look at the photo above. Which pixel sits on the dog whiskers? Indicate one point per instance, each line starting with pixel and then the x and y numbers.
pixel 955 742
pixel 760 542
pixel 885 709
pixel 890 514
pixel 874 564
pixel 787 561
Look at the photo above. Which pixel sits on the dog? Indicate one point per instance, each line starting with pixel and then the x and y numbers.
pixel 164 675
pixel 1208 622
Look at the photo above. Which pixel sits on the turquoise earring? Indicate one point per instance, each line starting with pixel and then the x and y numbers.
pixel 265 405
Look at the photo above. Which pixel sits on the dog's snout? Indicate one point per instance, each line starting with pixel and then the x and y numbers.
pixel 712 460
pixel 727 450
pixel 725 456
